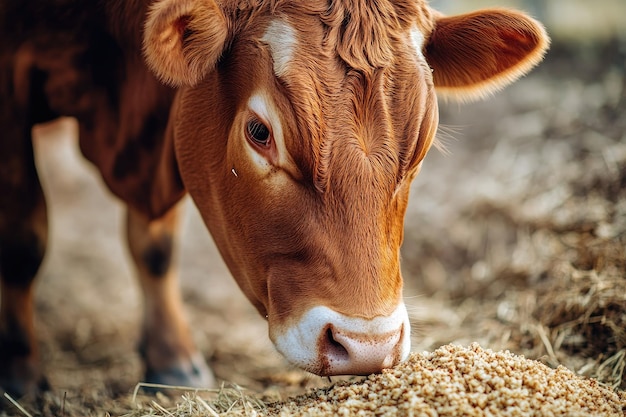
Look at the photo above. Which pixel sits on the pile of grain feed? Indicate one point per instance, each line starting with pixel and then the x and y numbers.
pixel 455 381
pixel 451 381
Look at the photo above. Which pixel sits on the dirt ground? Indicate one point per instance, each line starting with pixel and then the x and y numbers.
pixel 516 239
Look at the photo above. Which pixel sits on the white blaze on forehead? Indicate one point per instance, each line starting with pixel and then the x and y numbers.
pixel 417 40
pixel 282 40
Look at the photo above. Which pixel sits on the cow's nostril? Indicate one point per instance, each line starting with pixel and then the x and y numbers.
pixel 343 352
pixel 334 348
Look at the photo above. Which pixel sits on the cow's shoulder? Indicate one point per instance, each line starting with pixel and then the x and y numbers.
pixel 83 59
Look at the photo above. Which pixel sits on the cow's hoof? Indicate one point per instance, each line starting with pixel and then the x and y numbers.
pixel 190 373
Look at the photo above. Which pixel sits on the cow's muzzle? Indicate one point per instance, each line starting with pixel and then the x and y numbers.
pixel 326 342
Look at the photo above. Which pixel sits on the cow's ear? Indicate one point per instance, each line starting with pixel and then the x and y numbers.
pixel 474 54
pixel 183 39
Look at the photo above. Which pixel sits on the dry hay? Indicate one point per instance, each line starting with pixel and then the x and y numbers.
pixel 565 302
pixel 451 381
pixel 586 314
pixel 226 401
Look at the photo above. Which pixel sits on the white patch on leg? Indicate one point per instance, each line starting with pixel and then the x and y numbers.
pixel 282 40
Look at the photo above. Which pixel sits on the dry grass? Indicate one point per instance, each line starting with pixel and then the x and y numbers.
pixel 228 400
pixel 586 314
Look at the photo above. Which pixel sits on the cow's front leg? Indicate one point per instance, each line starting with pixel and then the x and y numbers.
pixel 167 347
pixel 23 238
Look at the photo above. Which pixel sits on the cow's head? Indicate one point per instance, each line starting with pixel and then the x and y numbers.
pixel 298 129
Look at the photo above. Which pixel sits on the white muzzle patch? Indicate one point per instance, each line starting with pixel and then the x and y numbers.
pixel 329 343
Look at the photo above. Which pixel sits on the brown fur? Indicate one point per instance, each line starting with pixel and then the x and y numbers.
pixel 359 120
pixel 358 111
pixel 186 39
pixel 481 52
pixel 92 70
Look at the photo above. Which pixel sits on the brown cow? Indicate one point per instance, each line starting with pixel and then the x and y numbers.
pixel 296 126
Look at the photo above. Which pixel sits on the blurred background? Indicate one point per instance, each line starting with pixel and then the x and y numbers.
pixel 577 21
pixel 515 237
pixel 521 227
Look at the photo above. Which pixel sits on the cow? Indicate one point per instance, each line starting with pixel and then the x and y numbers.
pixel 295 126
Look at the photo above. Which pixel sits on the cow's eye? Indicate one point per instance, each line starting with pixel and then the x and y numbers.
pixel 257 132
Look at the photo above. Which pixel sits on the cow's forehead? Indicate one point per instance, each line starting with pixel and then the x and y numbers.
pixel 362 33
pixel 287 42
pixel 334 102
